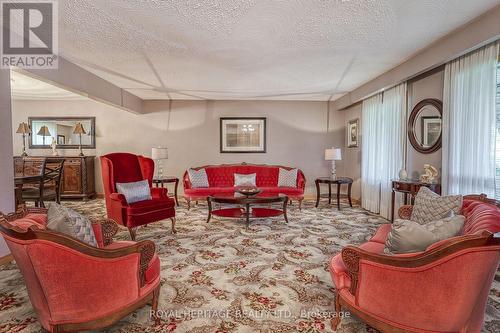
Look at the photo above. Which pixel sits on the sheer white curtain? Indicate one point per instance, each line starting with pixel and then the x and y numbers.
pixel 382 147
pixel 469 123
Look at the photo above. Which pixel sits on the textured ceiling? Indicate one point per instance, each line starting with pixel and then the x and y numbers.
pixel 252 49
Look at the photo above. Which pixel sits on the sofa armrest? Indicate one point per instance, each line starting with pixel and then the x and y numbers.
pixel 119 198
pixel 353 256
pixel 107 230
pixel 159 192
pixel 405 211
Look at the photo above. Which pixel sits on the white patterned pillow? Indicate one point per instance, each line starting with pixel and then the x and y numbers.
pixel 430 206
pixel 198 178
pixel 69 222
pixel 287 178
pixel 135 191
pixel 245 180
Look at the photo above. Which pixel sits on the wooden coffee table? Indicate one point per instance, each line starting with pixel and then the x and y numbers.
pixel 247 211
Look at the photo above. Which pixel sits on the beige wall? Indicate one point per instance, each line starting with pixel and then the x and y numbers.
pixel 430 86
pixel 6 165
pixel 297 132
pixel 352 156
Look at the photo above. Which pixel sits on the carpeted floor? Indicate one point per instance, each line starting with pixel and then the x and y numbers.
pixel 274 274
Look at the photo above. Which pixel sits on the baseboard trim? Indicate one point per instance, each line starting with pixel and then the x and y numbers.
pixel 6 259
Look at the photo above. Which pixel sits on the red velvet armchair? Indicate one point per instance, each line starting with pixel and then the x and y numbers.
pixel 71 285
pixel 443 289
pixel 125 168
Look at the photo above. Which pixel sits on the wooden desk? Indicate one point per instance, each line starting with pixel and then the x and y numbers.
pixel 410 188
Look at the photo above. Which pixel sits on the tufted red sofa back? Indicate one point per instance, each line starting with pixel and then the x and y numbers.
pixel 480 216
pixel 223 175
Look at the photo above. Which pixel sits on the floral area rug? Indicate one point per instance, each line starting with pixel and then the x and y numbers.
pixel 222 277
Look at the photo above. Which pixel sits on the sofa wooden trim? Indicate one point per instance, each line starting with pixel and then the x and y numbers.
pixel 352 255
pixel 145 248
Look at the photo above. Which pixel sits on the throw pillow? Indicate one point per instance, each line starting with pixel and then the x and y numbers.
pixel 69 222
pixel 198 178
pixel 245 180
pixel 430 206
pixel 287 178
pixel 135 191
pixel 408 236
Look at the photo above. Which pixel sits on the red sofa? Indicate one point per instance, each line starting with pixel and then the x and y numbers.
pixel 221 180
pixel 73 286
pixel 125 168
pixel 443 289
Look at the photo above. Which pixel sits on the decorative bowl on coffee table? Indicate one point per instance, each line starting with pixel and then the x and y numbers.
pixel 248 190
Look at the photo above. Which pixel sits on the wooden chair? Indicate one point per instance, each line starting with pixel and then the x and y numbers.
pixel 49 185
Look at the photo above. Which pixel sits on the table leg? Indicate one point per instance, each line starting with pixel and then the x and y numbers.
pixel 393 199
pixel 209 202
pixel 338 196
pixel 329 193
pixel 284 210
pixel 349 187
pixel 317 193
pixel 247 214
pixel 175 192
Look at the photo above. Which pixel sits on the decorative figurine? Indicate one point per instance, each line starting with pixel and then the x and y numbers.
pixel 53 145
pixel 430 174
pixel 403 175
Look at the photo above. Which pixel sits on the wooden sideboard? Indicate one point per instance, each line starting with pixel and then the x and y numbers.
pixel 78 180
pixel 411 188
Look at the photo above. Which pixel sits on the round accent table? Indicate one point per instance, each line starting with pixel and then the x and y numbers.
pixel 246 210
pixel 159 182
pixel 339 181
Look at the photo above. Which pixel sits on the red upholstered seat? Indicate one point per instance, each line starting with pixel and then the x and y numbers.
pixel 221 180
pixel 126 168
pixel 76 287
pixel 443 289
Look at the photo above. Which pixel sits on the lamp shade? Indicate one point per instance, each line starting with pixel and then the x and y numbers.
pixel 159 153
pixel 79 129
pixel 44 131
pixel 23 128
pixel 333 154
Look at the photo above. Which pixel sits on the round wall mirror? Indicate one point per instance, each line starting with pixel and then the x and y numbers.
pixel 424 126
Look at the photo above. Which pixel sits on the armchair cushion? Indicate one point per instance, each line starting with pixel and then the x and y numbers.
pixel 245 179
pixel 135 191
pixel 69 222
pixel 430 206
pixel 198 178
pixel 408 236
pixel 287 178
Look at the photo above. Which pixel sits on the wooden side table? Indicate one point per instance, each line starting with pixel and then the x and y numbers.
pixel 168 180
pixel 410 188
pixel 339 181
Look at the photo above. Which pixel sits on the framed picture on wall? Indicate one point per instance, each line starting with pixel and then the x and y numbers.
pixel 431 130
pixel 242 135
pixel 61 139
pixel 353 133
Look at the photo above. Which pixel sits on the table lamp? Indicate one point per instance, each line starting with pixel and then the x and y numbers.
pixel 24 129
pixel 159 154
pixel 44 131
pixel 79 130
pixel 333 154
